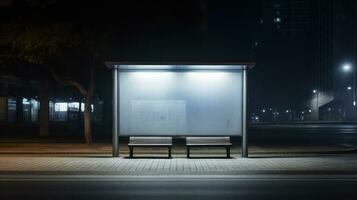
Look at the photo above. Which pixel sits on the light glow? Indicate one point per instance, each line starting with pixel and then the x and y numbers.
pixel 180 67
pixel 146 67
pixel 25 101
pixel 347 67
pixel 61 107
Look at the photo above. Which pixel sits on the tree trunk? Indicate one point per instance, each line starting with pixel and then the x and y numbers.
pixel 87 119
pixel 87 108
pixel 43 117
pixel 88 96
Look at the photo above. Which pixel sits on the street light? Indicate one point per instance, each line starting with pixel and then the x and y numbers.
pixel 348 68
pixel 314 91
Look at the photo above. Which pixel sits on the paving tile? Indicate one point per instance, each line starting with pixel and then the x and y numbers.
pixel 175 165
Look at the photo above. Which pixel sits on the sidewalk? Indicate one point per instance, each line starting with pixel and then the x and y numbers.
pixel 49 165
pixel 51 147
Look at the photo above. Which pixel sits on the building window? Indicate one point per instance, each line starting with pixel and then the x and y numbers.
pixel 58 111
pixel 61 107
pixel 11 106
pixel 73 106
pixel 82 107
pixel 26 110
pixel 34 110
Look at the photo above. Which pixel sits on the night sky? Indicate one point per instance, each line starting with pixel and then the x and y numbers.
pixel 196 30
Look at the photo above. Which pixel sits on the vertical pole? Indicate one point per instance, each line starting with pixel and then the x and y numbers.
pixel 115 139
pixel 354 91
pixel 317 106
pixel 244 115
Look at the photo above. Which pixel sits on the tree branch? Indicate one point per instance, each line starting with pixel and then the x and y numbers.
pixel 80 88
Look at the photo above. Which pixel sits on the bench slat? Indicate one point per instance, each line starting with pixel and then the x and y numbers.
pixel 208 140
pixel 218 144
pixel 151 140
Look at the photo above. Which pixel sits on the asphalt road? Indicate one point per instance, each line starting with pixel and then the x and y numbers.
pixel 242 187
pixel 305 133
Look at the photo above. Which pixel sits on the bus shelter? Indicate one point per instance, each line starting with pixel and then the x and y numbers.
pixel 179 99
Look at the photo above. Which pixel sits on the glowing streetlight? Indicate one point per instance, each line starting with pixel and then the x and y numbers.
pixel 347 67
pixel 316 92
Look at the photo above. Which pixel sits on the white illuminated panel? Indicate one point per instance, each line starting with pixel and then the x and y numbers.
pixel 181 67
pixel 203 102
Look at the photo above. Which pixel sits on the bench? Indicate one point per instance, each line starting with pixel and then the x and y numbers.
pixel 149 142
pixel 208 142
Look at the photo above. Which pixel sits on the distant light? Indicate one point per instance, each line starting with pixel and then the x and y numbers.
pixel 287 111
pixel 302 112
pixel 354 103
pixel 25 101
pixel 349 88
pixel 309 110
pixel 314 91
pixel 329 109
pixel 277 20
pixel 347 67
pixel 263 110
pixel 257 118
pixel 270 109
pixel 61 107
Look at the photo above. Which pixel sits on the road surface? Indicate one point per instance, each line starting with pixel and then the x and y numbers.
pixel 190 187
pixel 304 133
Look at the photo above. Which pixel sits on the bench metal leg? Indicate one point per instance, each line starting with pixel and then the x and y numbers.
pixel 188 152
pixel 228 152
pixel 131 149
pixel 169 152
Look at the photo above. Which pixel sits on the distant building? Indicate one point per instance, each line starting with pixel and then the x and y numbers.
pixel 335 45
pixel 289 17
pixel 19 108
pixel 285 52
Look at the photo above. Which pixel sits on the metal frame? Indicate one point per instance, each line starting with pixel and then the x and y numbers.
pixel 244 115
pixel 116 111
pixel 116 99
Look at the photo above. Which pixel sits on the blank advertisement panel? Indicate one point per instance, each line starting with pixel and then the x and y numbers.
pixel 180 102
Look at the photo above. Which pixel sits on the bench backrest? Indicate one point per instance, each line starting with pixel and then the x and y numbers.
pixel 207 140
pixel 150 140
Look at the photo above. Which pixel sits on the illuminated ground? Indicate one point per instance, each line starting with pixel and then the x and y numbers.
pixel 327 164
